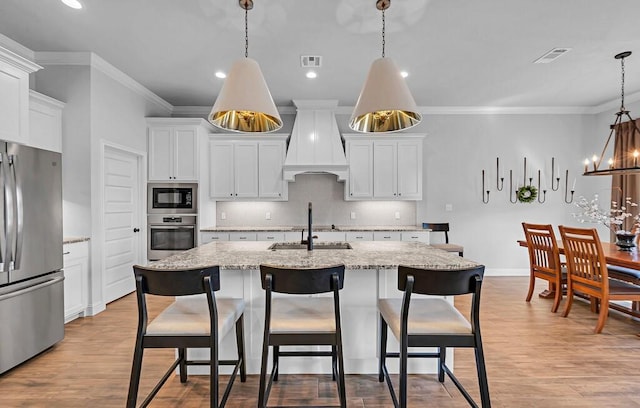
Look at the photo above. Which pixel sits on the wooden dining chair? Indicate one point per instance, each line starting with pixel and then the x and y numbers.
pixel 588 273
pixel 544 260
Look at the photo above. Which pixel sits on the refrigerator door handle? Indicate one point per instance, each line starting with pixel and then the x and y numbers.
pixel 19 212
pixel 7 218
pixel 31 288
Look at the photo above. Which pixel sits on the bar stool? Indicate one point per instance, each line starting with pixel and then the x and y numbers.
pixel 186 323
pixel 432 323
pixel 301 320
pixel 446 246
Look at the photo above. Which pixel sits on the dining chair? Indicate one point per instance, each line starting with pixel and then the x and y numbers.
pixel 588 273
pixel 432 322
pixel 193 322
pixel 446 246
pixel 544 260
pixel 301 320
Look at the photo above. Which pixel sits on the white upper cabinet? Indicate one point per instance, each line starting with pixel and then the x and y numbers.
pixel 360 158
pixel 247 167
pixel 271 157
pixel 173 148
pixel 14 96
pixel 384 167
pixel 45 122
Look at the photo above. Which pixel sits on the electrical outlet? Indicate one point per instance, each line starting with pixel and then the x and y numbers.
pixel 448 207
pixel 223 215
pixel 353 215
pixel 267 216
pixel 397 215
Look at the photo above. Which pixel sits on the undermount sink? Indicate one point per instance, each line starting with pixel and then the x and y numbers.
pixel 316 245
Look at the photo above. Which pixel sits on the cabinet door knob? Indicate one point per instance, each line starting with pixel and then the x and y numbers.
pixel 136 230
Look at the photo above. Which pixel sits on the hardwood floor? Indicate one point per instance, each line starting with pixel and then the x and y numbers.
pixel 534 359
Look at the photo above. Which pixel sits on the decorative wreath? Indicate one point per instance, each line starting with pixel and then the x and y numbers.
pixel 527 194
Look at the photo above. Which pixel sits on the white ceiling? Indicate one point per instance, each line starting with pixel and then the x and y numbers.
pixel 458 52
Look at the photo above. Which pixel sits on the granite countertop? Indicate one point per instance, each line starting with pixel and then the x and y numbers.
pixel 364 255
pixel 320 228
pixel 73 240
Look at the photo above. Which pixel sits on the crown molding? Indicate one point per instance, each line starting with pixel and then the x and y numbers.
pixel 429 110
pixel 98 63
pixel 615 104
pixel 18 61
pixel 16 47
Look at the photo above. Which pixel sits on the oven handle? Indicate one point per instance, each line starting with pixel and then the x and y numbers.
pixel 172 226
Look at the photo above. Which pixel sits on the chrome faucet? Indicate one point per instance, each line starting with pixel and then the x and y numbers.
pixel 310 236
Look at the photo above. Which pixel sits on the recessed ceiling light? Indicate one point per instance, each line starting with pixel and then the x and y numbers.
pixel 311 75
pixel 404 74
pixel 74 4
pixel 221 75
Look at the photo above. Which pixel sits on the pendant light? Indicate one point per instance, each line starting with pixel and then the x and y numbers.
pixel 385 103
pixel 613 168
pixel 244 103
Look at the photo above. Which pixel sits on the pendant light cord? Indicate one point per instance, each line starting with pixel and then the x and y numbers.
pixel 383 32
pixel 246 33
pixel 622 87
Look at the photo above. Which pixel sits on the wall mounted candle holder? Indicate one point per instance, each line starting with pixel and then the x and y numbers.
pixel 540 190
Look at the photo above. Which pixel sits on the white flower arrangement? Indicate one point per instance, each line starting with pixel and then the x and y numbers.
pixel 615 218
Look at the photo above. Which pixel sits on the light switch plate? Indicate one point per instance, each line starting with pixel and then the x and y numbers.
pixel 448 207
pixel 267 216
pixel 397 215
pixel 353 215
pixel 223 215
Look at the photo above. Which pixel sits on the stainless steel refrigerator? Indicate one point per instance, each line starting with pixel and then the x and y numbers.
pixel 31 278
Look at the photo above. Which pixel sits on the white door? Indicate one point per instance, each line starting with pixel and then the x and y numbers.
pixel 122 221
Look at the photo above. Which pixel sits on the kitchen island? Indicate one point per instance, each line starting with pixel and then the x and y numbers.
pixel 371 274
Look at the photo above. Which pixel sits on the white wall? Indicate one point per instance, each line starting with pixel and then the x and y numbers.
pixel 71 84
pixel 329 207
pixel 99 109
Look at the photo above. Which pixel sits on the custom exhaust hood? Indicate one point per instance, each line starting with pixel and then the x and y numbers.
pixel 315 145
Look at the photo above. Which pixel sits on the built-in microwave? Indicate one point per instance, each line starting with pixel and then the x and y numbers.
pixel 172 198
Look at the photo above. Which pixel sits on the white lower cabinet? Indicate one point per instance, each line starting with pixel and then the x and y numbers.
pixel 242 236
pixel 276 236
pixel 206 237
pixel 359 235
pixel 418 236
pixel 76 276
pixel 386 235
pixel 329 236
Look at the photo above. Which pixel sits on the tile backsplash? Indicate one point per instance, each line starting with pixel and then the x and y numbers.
pixel 329 207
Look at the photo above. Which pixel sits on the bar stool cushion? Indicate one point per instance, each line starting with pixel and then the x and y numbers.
pixel 426 316
pixel 449 247
pixel 190 317
pixel 302 314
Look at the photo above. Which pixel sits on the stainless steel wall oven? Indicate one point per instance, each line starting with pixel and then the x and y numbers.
pixel 169 235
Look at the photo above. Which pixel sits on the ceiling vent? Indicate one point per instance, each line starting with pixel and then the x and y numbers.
pixel 552 55
pixel 310 61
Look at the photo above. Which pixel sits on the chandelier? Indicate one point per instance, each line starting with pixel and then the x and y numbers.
pixel 613 167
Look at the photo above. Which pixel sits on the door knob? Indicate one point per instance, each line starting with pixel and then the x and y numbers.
pixel 136 230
